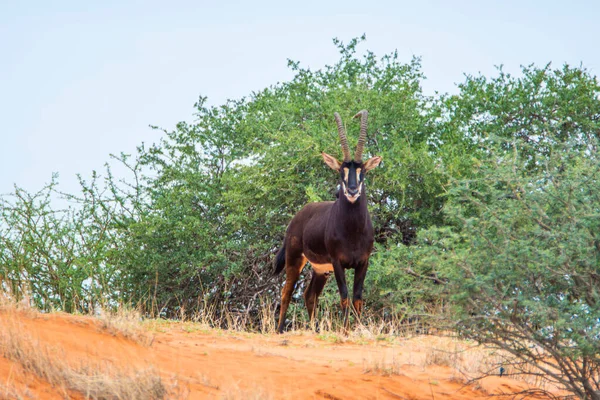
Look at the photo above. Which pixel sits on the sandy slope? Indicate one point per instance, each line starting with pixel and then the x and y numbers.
pixel 199 364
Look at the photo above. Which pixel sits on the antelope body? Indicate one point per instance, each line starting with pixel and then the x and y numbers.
pixel 332 235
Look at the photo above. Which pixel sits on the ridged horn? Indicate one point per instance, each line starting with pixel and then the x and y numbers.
pixel 343 139
pixel 363 134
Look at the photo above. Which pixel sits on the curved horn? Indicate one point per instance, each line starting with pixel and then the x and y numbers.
pixel 343 139
pixel 363 134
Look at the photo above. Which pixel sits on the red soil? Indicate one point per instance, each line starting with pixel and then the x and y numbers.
pixel 215 364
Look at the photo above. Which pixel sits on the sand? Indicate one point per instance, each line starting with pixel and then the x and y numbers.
pixel 198 363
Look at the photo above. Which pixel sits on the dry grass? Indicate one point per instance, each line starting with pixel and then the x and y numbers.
pixel 328 323
pixel 379 366
pixel 9 304
pixel 93 380
pixel 470 362
pixel 10 393
pixel 125 322
pixel 206 380
pixel 451 355
pixel 212 317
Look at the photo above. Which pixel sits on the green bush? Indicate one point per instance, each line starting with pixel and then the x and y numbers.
pixel 522 259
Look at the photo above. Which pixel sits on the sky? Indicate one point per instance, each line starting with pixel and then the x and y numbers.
pixel 80 80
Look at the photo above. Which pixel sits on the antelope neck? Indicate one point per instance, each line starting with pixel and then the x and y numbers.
pixel 353 212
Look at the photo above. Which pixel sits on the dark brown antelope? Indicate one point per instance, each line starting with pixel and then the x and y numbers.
pixel 332 235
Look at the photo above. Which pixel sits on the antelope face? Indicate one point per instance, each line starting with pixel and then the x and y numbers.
pixel 352 174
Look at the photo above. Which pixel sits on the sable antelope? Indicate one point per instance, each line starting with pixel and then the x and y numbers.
pixel 332 235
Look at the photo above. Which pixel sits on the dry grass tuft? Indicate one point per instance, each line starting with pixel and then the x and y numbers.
pixel 466 360
pixel 379 366
pixel 443 358
pixel 11 393
pixel 125 322
pixel 470 362
pixel 206 380
pixel 94 381
pixel 9 304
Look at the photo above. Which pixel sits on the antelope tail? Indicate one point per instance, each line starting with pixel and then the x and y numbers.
pixel 280 260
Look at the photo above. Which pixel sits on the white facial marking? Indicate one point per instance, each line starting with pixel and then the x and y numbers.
pixel 351 199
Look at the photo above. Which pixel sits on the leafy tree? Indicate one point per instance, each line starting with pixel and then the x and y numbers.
pixel 542 108
pixel 519 245
pixel 223 189
pixel 58 258
pixel 523 261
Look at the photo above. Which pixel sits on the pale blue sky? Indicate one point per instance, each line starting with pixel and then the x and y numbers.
pixel 82 79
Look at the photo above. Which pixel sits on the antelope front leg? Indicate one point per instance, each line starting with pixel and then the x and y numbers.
pixel 340 278
pixel 359 279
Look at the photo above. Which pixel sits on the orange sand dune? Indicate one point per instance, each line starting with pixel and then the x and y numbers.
pixel 199 364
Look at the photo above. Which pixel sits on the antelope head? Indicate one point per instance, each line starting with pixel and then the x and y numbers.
pixel 352 171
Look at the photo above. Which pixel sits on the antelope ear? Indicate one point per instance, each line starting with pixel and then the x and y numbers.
pixel 371 163
pixel 333 163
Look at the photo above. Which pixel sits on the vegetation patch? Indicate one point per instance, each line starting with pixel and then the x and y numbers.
pixel 485 209
pixel 92 380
